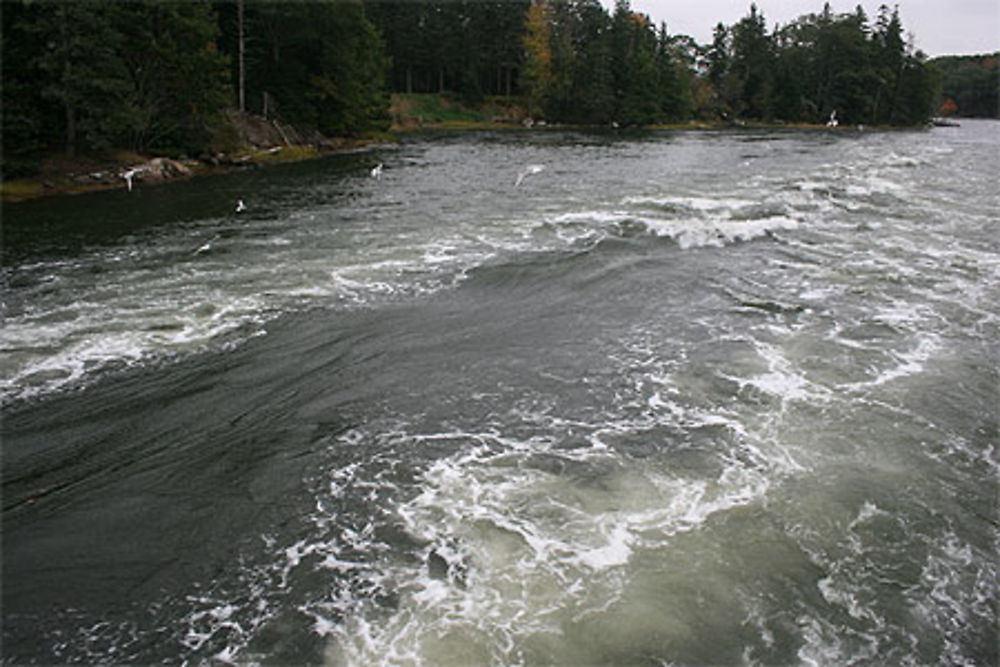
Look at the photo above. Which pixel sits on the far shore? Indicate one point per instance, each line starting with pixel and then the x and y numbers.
pixel 60 175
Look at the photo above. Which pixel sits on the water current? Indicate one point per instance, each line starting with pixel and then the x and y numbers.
pixel 674 398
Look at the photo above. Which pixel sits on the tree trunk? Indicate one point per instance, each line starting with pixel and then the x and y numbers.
pixel 70 129
pixel 242 71
pixel 67 74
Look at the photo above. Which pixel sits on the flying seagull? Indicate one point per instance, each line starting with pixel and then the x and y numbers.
pixel 240 206
pixel 206 246
pixel 129 174
pixel 528 171
pixel 377 172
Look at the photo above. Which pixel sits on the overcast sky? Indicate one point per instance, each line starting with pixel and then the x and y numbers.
pixel 940 27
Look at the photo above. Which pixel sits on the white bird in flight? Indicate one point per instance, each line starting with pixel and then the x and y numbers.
pixel 206 246
pixel 240 206
pixel 377 172
pixel 528 171
pixel 129 174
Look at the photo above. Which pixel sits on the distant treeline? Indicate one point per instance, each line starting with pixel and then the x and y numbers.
pixel 159 75
pixel 576 62
pixel 970 85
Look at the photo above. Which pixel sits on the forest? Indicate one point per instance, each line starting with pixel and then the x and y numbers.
pixel 165 77
pixel 970 85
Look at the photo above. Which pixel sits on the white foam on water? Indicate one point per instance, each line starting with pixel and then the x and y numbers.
pixel 691 221
pixel 527 551
pixel 957 594
pixel 782 380
pixel 908 362
pixel 723 205
pixel 43 356
pixel 893 159
pixel 699 234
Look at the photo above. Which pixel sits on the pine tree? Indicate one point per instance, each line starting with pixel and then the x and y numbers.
pixel 752 66
pixel 634 69
pixel 174 82
pixel 76 68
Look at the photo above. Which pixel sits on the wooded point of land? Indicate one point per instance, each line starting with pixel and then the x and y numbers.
pixel 164 78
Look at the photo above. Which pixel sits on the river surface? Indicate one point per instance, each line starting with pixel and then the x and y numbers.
pixel 675 398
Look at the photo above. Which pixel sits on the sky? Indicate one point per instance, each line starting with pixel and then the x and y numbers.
pixel 939 27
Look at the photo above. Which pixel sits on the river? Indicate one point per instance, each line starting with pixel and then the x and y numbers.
pixel 721 397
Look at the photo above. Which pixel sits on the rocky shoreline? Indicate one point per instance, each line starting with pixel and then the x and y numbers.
pixel 261 142
pixel 264 142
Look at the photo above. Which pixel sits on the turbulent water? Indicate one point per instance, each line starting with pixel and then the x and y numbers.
pixel 675 398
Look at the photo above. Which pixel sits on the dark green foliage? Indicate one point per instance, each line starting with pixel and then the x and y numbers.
pixel 819 64
pixel 970 85
pixel 95 75
pixel 585 91
pixel 170 82
pixel 472 47
pixel 634 67
pixel 583 67
pixel 316 65
pixel 583 86
pixel 157 75
pixel 22 102
pixel 752 67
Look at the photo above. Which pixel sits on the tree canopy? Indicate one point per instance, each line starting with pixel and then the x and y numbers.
pixel 970 85
pixel 580 63
pixel 157 76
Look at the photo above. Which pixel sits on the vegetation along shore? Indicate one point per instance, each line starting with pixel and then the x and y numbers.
pixel 104 94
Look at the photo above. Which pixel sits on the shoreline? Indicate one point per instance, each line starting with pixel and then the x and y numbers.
pixel 97 174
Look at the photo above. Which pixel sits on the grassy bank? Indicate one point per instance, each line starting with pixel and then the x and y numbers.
pixel 416 111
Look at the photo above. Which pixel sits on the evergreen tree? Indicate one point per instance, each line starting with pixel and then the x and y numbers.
pixel 634 70
pixel 795 71
pixel 143 75
pixel 591 99
pixel 752 66
pixel 674 82
pixel 316 65
pixel 888 59
pixel 173 81
pixel 74 66
pixel 722 87
pixel 26 116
